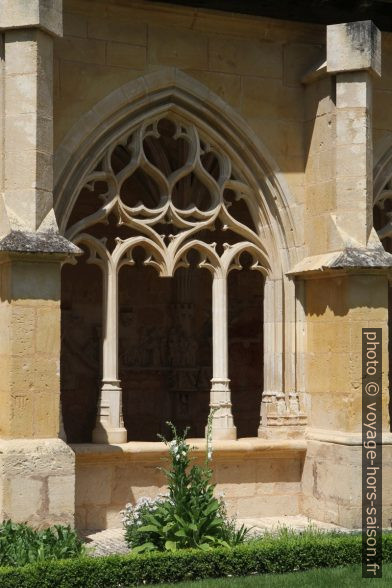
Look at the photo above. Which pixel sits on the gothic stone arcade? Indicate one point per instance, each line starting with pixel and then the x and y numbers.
pixel 194 215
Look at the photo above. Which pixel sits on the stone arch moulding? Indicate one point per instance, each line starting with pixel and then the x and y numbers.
pixel 382 184
pixel 170 92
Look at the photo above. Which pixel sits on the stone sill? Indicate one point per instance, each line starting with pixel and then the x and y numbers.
pixel 341 438
pixel 149 450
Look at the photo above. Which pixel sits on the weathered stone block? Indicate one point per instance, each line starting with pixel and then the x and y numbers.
pixel 226 86
pixel 298 59
pixel 354 46
pixel 253 487
pixel 59 493
pixel 184 49
pixel 98 492
pixel 77 49
pixel 44 14
pixel 271 100
pixel 125 55
pixel 37 482
pixel 121 29
pixel 75 25
pixel 48 331
pixel 246 57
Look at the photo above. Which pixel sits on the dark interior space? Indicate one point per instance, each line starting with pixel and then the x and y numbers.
pixel 165 349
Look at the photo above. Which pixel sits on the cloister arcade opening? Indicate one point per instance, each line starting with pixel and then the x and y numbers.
pixel 382 218
pixel 165 350
pixel 164 336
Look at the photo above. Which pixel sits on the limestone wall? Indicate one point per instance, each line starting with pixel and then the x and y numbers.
pixel 337 310
pixel 254 64
pixel 258 478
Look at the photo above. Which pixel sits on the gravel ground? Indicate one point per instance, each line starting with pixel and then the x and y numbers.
pixel 112 540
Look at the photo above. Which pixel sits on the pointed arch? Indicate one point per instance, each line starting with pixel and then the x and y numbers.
pixel 171 90
pixel 173 94
pixel 382 190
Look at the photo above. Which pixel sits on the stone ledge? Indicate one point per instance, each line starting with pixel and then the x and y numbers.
pixel 25 242
pixel 354 46
pixel 150 450
pixel 341 438
pixel 43 14
pixel 351 258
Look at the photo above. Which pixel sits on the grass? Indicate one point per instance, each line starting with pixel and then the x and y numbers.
pixel 321 578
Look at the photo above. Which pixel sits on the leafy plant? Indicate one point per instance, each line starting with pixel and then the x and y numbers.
pixel 189 516
pixel 285 552
pixel 20 544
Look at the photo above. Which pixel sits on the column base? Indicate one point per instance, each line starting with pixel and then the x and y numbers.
pixel 103 434
pixel 37 482
pixel 281 420
pixel 222 421
pixel 229 434
pixel 285 431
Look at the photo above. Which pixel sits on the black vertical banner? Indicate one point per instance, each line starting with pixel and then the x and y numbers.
pixel 371 453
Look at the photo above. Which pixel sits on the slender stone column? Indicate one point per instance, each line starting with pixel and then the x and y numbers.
pixel 223 424
pixel 110 425
pixel 273 404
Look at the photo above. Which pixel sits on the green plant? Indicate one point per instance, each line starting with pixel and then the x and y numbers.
pixel 20 544
pixel 189 516
pixel 281 554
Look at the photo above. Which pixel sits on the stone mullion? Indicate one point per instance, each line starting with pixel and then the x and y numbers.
pixel 220 399
pixel 300 346
pixel 295 417
pixel 273 405
pixel 110 425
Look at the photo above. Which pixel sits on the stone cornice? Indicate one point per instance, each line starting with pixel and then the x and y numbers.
pixel 144 450
pixel 46 15
pixel 349 259
pixel 41 243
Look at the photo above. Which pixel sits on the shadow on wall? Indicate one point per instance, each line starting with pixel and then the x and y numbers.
pixel 341 296
pixel 165 349
pixel 253 487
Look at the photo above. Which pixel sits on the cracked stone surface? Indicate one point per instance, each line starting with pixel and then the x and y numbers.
pixel 112 541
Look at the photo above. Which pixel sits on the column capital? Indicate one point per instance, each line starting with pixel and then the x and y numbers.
pixel 354 46
pixel 46 15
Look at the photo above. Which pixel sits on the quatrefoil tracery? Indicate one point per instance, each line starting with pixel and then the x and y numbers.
pixel 176 183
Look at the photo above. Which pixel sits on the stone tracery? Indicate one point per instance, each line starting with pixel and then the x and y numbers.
pixel 383 204
pixel 168 187
pixel 382 214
